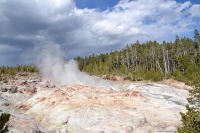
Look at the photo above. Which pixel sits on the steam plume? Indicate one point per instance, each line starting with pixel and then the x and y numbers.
pixel 53 66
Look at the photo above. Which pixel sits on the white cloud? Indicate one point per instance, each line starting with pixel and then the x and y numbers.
pixel 183 6
pixel 195 10
pixel 85 31
pixel 56 6
pixel 152 19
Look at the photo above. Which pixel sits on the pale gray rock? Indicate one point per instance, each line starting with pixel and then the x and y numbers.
pixel 37 107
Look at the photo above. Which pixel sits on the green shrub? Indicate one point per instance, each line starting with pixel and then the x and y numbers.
pixel 190 122
pixel 127 78
pixel 24 74
pixel 114 79
pixel 154 76
pixel 3 119
pixel 139 79
pixel 107 77
pixel 177 75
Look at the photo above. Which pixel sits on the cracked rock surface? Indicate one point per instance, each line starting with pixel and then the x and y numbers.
pixel 36 105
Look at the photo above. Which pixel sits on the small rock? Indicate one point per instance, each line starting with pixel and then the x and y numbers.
pixel 13 89
pixel 129 129
pixel 24 83
pixel 48 84
pixel 142 122
pixel 6 104
pixel 3 89
pixel 65 122
pixel 35 131
pixel 5 81
pixel 114 132
pixel 19 106
pixel 30 90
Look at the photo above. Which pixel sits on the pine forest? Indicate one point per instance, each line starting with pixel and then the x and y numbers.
pixel 179 60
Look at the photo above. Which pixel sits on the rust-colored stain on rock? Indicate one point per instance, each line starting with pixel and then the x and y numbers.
pixel 134 108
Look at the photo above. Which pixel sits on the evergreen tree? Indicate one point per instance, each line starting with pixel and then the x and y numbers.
pixel 3 119
pixel 197 39
pixel 190 120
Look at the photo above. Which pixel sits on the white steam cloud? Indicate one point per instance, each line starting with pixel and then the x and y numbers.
pixel 53 66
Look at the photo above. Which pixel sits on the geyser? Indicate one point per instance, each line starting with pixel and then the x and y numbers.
pixel 53 66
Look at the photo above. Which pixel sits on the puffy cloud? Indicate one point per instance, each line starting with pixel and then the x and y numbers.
pixel 194 10
pixel 81 32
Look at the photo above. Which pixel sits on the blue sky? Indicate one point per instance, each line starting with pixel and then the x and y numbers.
pixel 105 4
pixel 100 4
pixel 83 27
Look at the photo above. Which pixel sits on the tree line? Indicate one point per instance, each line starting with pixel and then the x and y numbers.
pixel 149 61
pixel 18 69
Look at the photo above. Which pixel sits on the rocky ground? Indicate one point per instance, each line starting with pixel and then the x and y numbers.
pixel 38 106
